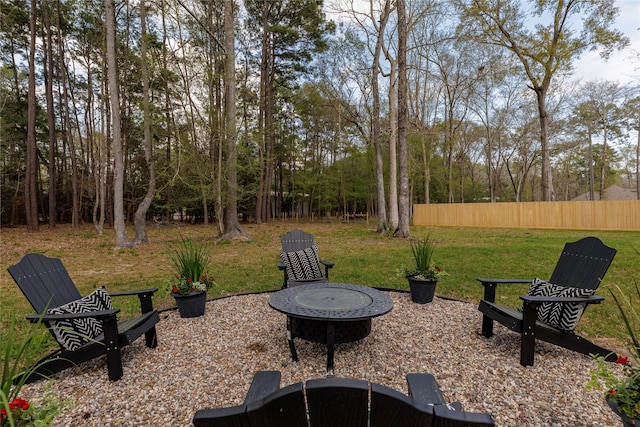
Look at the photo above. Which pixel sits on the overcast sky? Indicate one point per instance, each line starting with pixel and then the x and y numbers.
pixel 623 66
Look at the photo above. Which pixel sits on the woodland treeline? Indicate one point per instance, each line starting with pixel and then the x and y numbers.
pixel 122 112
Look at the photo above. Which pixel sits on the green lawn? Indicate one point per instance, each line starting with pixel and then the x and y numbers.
pixel 361 256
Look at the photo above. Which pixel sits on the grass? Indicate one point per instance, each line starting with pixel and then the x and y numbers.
pixel 361 256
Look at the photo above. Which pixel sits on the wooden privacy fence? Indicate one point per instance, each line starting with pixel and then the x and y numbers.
pixel 597 215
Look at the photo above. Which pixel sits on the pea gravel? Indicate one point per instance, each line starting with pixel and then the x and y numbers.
pixel 209 361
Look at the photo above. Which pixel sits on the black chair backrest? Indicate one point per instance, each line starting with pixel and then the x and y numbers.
pixel 338 402
pixel 583 264
pixel 44 281
pixel 389 407
pixel 332 402
pixel 282 408
pixel 296 240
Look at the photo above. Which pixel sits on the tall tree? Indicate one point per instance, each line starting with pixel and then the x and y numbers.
pixel 31 184
pixel 373 24
pixel 377 143
pixel 51 118
pixel 585 117
pixel 544 42
pixel 290 32
pixel 404 201
pixel 140 217
pixel 122 241
pixel 232 228
pixel 632 107
pixel 67 134
pixel 604 100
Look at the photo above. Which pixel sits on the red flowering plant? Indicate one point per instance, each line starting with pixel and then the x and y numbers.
pixel 190 260
pixel 621 382
pixel 422 251
pixel 185 285
pixel 14 409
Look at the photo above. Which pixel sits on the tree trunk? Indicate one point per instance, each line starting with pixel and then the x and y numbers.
pixel 375 71
pixel 547 181
pixel 67 135
pixel 404 201
pixel 426 171
pixel 140 217
pixel 592 194
pixel 122 241
pixel 51 118
pixel 30 185
pixel 232 228
pixel 603 157
pixel 393 145
pixel 262 149
pixel 638 163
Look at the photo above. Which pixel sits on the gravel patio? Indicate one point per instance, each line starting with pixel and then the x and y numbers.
pixel 209 362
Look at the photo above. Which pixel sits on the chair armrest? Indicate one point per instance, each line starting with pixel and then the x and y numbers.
pixel 594 299
pixel 292 283
pixel 144 295
pixel 326 263
pixel 34 318
pixel 208 417
pixel 263 384
pixel 486 281
pixel 327 266
pixel 490 285
pixel 149 291
pixel 424 389
pixel 457 417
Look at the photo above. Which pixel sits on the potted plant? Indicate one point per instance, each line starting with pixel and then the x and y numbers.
pixel 424 277
pixel 193 279
pixel 623 389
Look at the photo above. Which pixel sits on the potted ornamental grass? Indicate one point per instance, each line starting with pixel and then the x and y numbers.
pixel 193 278
pixel 622 383
pixel 424 276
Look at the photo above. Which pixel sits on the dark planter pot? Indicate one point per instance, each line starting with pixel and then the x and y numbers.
pixel 626 421
pixel 192 304
pixel 422 291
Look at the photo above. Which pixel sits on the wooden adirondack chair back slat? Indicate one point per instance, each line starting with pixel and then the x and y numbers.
pixel 347 398
pixel 296 240
pixel 392 408
pixel 283 408
pixel 583 264
pixel 44 281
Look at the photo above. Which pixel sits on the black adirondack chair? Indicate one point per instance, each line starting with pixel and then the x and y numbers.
pixel 581 265
pixel 46 284
pixel 336 402
pixel 297 241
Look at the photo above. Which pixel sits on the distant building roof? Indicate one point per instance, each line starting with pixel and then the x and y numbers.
pixel 615 192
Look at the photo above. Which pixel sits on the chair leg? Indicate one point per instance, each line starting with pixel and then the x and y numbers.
pixel 114 358
pixel 487 322
pixel 528 340
pixel 487 326
pixel 151 338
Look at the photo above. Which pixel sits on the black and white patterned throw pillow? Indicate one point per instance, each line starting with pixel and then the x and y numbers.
pixel 563 316
pixel 303 264
pixel 74 333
